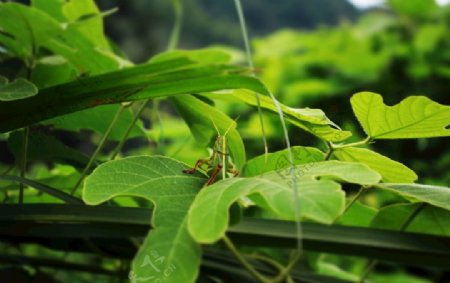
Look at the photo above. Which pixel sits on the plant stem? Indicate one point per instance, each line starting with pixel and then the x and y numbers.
pixel 23 161
pixel 176 30
pixel 128 131
pixel 98 149
pixel 373 263
pixel 243 261
pixel 248 53
pixel 352 201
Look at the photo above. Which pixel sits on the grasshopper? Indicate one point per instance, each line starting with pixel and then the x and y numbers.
pixel 218 161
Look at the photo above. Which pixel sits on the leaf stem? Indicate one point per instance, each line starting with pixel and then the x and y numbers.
pixel 23 161
pixel 352 201
pixel 128 131
pixel 243 261
pixel 98 149
pixel 363 142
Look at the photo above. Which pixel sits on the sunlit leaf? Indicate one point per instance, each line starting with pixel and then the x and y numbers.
pixel 390 170
pixel 414 117
pixel 280 159
pixel 320 200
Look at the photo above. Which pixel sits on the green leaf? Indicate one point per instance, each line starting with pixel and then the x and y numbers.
pixel 98 120
pixel 91 28
pixel 390 170
pixel 51 7
pixel 200 116
pixel 430 220
pixel 161 79
pixel 414 8
pixel 30 28
pixel 280 159
pixel 18 89
pixel 414 117
pixel 160 180
pixel 349 172
pixel 43 147
pixel 312 120
pixel 358 215
pixel 320 200
pixel 434 195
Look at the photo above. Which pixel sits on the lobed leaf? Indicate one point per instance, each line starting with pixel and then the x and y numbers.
pixel 168 246
pixel 414 117
pixel 320 200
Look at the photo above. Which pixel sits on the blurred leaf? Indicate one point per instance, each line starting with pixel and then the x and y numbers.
pixel 312 120
pixel 414 117
pixel 434 195
pixel 92 27
pixel 430 220
pixel 98 120
pixel 30 28
pixel 200 117
pixel 51 7
pixel 18 89
pixel 280 159
pixel 390 170
pixel 358 214
pixel 43 188
pixel 160 180
pixel 42 147
pixel 167 78
pixel 414 8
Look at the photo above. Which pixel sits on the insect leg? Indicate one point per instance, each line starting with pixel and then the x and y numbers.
pixel 198 164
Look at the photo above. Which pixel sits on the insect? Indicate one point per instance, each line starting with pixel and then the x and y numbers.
pixel 218 161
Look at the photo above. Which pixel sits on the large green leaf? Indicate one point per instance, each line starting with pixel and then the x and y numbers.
pixel 434 195
pixel 200 117
pixel 209 214
pixel 430 220
pixel 390 170
pixel 280 159
pixel 320 200
pixel 160 180
pixel 414 117
pixel 18 89
pixel 160 79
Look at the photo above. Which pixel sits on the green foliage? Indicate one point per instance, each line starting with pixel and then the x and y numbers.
pixel 77 117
